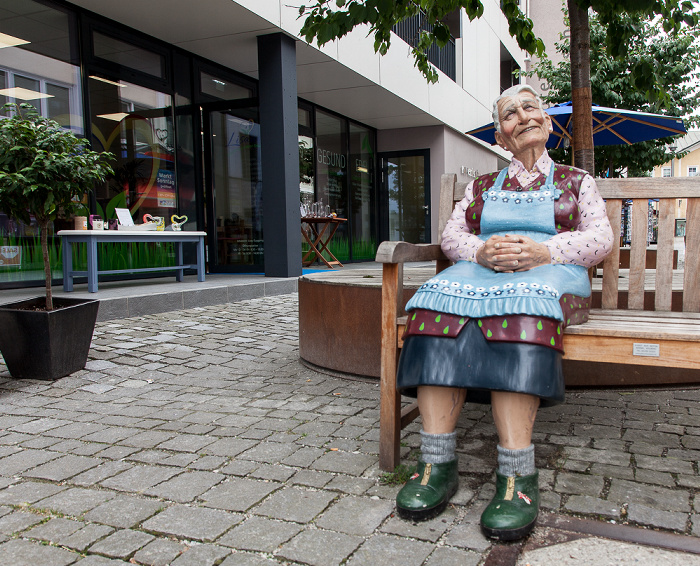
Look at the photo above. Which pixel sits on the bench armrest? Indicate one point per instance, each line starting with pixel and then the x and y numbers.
pixel 401 252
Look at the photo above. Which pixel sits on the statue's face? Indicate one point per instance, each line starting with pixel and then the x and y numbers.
pixel 524 125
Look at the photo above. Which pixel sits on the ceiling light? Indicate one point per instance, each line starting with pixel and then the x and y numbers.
pixel 108 81
pixel 23 93
pixel 116 116
pixel 11 41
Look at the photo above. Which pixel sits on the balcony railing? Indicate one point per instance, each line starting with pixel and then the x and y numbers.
pixel 442 57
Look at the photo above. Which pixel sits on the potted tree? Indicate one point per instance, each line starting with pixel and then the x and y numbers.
pixel 45 171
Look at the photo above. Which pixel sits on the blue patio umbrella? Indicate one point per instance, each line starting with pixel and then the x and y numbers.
pixel 611 126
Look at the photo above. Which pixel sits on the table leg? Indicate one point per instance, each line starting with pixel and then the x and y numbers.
pixel 67 248
pixel 324 246
pixel 92 265
pixel 200 259
pixel 180 273
pixel 319 240
pixel 304 260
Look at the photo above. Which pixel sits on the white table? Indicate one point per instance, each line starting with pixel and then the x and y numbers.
pixel 92 237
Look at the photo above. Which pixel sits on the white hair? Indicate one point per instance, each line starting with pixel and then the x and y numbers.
pixel 512 91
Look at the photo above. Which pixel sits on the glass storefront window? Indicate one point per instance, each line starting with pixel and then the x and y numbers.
pixel 39 66
pixel 128 55
pixel 332 175
pixel 361 166
pixel 306 169
pixel 217 87
pixel 136 124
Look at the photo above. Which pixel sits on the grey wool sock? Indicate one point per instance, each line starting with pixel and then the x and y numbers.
pixel 438 448
pixel 516 462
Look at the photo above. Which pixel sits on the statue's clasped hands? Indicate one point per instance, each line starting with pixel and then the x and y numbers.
pixel 512 253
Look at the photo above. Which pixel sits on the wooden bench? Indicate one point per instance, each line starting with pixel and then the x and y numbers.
pixel 616 333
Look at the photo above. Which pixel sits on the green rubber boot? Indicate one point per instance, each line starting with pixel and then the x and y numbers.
pixel 426 494
pixel 513 511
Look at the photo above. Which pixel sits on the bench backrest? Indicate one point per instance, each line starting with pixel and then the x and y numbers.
pixel 637 190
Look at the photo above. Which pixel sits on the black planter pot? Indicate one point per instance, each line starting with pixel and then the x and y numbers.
pixel 46 345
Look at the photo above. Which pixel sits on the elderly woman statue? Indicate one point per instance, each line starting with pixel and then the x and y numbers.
pixel 522 240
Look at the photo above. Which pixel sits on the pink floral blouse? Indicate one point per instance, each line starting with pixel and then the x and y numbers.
pixel 593 233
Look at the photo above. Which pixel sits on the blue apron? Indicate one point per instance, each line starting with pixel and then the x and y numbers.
pixel 472 290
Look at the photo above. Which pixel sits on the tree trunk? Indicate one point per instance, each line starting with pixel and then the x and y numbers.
pixel 581 87
pixel 44 235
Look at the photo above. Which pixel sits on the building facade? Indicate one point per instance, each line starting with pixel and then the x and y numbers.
pixel 686 166
pixel 217 111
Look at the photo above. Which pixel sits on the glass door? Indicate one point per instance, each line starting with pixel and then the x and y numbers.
pixel 233 187
pixel 406 194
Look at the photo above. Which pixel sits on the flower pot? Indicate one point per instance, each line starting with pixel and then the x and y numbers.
pixel 37 344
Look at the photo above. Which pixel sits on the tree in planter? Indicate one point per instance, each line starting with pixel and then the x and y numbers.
pixel 45 171
pixel 613 85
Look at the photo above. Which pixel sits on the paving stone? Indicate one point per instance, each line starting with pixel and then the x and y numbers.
pixel 579 484
pixel 622 491
pixel 592 506
pixel 20 552
pixel 196 523
pixel 124 511
pixel 294 504
pixel 208 463
pixel 101 472
pixel 148 439
pixel 273 472
pixel 664 464
pixel 187 443
pixel 139 478
pixel 202 555
pixel 350 484
pixel 74 501
pixel 612 471
pixel 356 515
pixel 269 452
pixel 21 461
pixel 468 535
pixel 384 550
pixel 601 456
pixel 63 468
pixel 238 494
pixel 27 492
pixel 94 560
pixel 185 487
pixel 445 556
pixel 320 548
pixel 18 521
pixel 86 536
pixel 303 457
pixel 54 530
pixel 344 462
pixel 659 478
pixel 695 525
pixel 430 530
pixel 312 478
pixel 228 447
pixel 259 534
pixel 642 514
pixel 247 559
pixel 122 544
pixel 239 467
pixel 160 552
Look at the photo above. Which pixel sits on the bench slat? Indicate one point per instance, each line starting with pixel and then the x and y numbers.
pixel 638 253
pixel 619 350
pixel 611 265
pixel 649 187
pixel 691 283
pixel 664 254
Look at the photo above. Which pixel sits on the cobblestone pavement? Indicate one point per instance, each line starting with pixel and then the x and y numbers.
pixel 197 438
